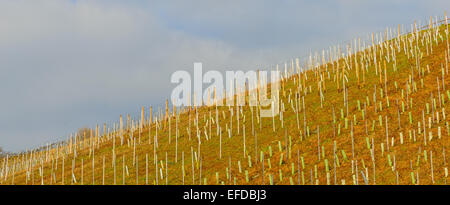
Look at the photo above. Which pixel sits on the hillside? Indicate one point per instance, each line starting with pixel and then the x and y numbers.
pixel 370 112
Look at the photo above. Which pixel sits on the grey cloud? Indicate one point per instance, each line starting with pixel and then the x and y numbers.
pixel 67 64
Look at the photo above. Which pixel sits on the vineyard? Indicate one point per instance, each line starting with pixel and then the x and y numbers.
pixel 371 112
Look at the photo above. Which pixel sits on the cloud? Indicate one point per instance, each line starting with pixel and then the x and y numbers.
pixel 68 64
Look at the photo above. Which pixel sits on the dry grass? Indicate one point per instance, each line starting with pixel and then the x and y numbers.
pixel 409 156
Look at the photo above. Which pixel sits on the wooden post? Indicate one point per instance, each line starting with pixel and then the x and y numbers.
pixel 137 169
pixel 173 109
pixel 121 130
pixel 103 171
pixel 357 73
pixel 123 169
pixel 167 110
pixel 151 115
pixel 146 168
pixel 142 123
pixel 62 174
pixel 128 122
pixel 93 167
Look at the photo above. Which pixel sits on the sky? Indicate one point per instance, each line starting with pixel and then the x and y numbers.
pixel 67 64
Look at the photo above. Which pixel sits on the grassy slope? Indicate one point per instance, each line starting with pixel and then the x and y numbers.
pixel 406 154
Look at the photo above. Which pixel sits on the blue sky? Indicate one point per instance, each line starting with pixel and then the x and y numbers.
pixel 69 64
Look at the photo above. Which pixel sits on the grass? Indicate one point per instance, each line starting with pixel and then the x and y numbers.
pixel 297 161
